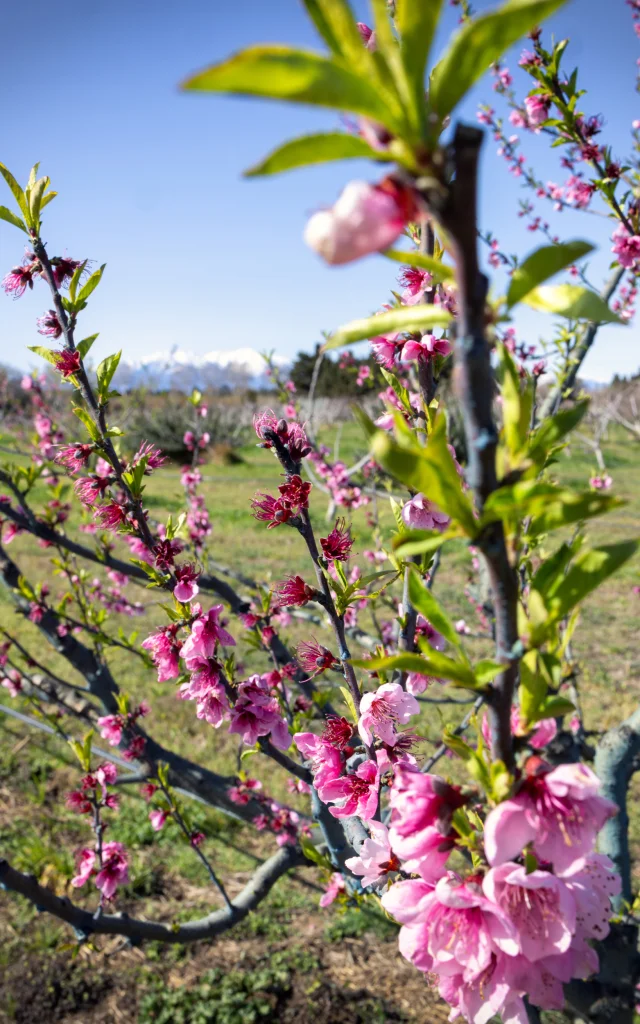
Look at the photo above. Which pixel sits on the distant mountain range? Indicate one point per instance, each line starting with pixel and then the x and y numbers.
pixel 182 371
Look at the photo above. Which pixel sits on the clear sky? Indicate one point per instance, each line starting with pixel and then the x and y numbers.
pixel 149 178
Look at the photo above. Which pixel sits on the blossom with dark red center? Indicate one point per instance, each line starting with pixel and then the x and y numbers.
pixel 77 801
pixel 136 749
pixel 197 838
pixel 18 280
pixel 297 442
pixel 91 489
pixel 67 363
pixel 273 511
pixel 63 268
pixel 267 422
pixel 293 591
pixel 315 658
pixel 295 492
pixel 338 544
pixel 165 552
pixel 153 455
pixel 415 283
pixel 49 325
pixel 337 731
pixel 111 516
pixel 74 456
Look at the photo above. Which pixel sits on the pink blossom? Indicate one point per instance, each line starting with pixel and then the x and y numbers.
pixel 601 483
pixel 293 591
pixel 375 860
pixel 165 649
pixel 85 861
pixel 74 457
pixel 384 350
pixel 12 682
pixel 421 812
pixel 626 247
pixel 357 792
pixel 538 904
pixel 559 812
pixel 327 762
pixel 17 281
pixel 335 887
pixel 421 514
pixel 256 713
pixel 424 348
pixel 537 108
pixel 383 710
pixel 417 683
pixel 206 634
pixel 114 870
pixel 111 727
pixel 368 35
pixel 157 819
pixel 50 326
pixel 315 658
pixel 415 283
pixel 593 882
pixel 517 119
pixel 365 219
pixel 186 588
pixel 452 929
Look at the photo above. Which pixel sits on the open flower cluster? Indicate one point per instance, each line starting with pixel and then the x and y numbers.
pixel 520 923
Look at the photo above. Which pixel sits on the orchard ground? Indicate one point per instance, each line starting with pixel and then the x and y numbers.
pixel 289 961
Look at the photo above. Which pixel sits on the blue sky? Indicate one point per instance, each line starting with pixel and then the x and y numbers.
pixel 149 178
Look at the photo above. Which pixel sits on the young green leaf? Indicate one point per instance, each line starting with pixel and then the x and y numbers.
pixel 533 687
pixel 402 318
pixel 18 194
pixel 44 353
pixel 571 301
pixel 11 218
pixel 417 21
pixel 85 418
pixel 432 663
pixel 554 707
pixel 420 542
pixel 541 265
pixel 591 568
pixel 91 285
pixel 105 373
pixel 439 270
pixel 84 345
pixel 480 43
pixel 283 73
pixel 517 403
pixel 554 429
pixel 427 605
pixel 316 149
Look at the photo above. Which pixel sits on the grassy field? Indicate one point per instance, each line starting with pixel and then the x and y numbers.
pixel 289 961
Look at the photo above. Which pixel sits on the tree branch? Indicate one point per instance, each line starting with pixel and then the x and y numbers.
pixel 85 923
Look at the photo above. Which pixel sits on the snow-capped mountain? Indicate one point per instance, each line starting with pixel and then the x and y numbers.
pixel 182 371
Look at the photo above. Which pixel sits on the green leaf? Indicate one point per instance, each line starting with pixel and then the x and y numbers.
pixel 554 429
pixel 336 24
pixel 517 403
pixel 75 280
pixel 553 506
pixel 18 194
pixel 417 21
pixel 85 418
pixel 429 470
pixel 312 853
pixel 84 345
pixel 553 567
pixel 402 318
pixel 420 542
pixel 283 73
pixel 11 218
pixel 432 664
pixel 554 707
pixel 541 265
pixel 486 670
pixel 316 149
pixel 571 301
pixel 91 285
pixel 440 271
pixel 105 373
pixel 533 687
pixel 35 199
pixel 480 43
pixel 44 353
pixel 349 701
pixel 427 605
pixel 591 568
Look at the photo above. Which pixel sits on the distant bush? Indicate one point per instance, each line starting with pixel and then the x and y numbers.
pixel 166 419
